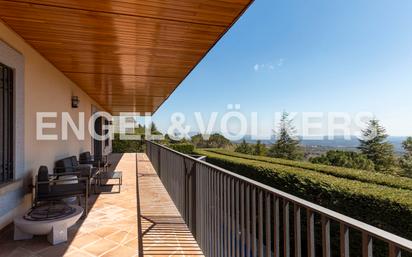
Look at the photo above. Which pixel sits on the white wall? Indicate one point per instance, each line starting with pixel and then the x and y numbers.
pixel 45 89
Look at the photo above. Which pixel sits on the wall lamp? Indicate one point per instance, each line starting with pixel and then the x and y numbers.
pixel 75 101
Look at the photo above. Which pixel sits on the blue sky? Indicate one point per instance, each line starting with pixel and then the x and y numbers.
pixel 307 56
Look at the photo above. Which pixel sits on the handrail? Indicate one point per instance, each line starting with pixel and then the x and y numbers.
pixel 393 240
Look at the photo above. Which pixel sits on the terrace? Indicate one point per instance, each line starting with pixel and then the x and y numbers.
pixel 142 213
pixel 82 57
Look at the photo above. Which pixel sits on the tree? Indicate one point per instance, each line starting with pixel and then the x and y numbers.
pixel 375 147
pixel 407 145
pixel 154 130
pixel 406 161
pixel 286 146
pixel 215 141
pixel 244 148
pixel 346 159
pixel 259 148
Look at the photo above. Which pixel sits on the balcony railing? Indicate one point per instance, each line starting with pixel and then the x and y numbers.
pixel 231 215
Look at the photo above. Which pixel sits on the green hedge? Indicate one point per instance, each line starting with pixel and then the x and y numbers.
pixel 381 206
pixel 360 175
pixel 127 146
pixel 185 148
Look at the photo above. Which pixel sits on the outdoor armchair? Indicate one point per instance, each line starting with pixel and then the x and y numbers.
pixel 48 188
pixel 98 161
pixel 70 166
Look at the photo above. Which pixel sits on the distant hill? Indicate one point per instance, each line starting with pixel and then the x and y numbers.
pixel 339 142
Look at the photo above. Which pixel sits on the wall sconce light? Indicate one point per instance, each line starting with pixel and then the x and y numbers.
pixel 75 101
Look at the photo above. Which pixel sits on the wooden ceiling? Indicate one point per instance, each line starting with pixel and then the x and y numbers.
pixel 128 55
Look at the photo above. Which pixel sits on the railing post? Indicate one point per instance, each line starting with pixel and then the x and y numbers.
pixel 190 196
pixel 159 162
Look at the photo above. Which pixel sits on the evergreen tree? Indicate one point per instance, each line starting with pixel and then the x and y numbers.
pixel 153 129
pixel 215 141
pixel 244 148
pixel 286 146
pixel 346 159
pixel 375 147
pixel 406 160
pixel 407 145
pixel 259 148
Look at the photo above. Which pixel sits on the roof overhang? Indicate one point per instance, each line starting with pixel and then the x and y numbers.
pixel 128 55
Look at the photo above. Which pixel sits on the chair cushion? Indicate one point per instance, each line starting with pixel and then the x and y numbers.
pixel 85 157
pixel 43 176
pixel 75 163
pixel 64 165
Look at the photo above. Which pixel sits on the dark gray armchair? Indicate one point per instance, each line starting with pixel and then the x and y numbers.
pixel 70 165
pixel 98 161
pixel 48 188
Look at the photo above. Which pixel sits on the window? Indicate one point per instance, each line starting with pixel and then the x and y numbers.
pixel 6 123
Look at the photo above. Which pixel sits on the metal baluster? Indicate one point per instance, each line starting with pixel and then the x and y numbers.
pixel 276 234
pixel 202 208
pixel 228 232
pixel 226 217
pixel 344 240
pixel 267 226
pixel 237 219
pixel 394 251
pixel 311 233
pixel 242 219
pixel 232 216
pixel 367 245
pixel 248 246
pixel 221 217
pixel 253 213
pixel 260 222
pixel 218 215
pixel 325 236
pixel 210 233
pixel 213 235
pixel 297 230
pixel 286 225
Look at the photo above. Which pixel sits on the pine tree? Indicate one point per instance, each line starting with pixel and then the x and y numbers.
pixel 375 147
pixel 286 146
pixel 407 145
pixel 406 160
pixel 259 148
pixel 153 129
pixel 244 148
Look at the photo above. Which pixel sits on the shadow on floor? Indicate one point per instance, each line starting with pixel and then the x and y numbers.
pixel 11 248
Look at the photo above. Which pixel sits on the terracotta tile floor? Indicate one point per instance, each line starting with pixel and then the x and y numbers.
pixel 111 228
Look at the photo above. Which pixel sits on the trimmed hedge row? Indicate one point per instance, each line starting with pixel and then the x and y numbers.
pixel 185 148
pixel 384 207
pixel 354 174
pixel 127 146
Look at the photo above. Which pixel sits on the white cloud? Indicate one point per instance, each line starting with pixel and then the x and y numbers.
pixel 269 66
